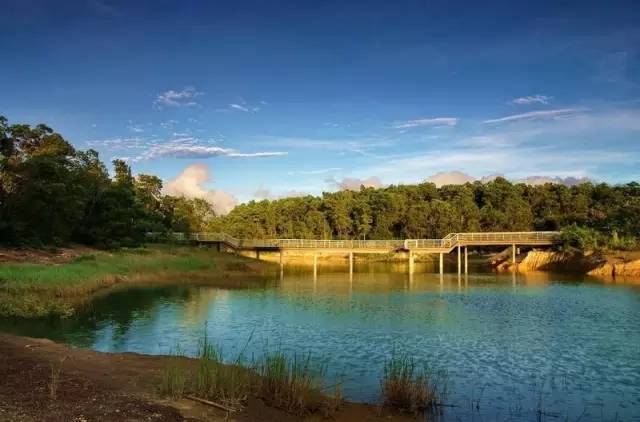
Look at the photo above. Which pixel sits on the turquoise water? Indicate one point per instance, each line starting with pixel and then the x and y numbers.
pixel 515 347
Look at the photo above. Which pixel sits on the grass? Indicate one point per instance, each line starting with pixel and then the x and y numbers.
pixel 410 389
pixel 291 384
pixel 39 290
pixel 54 382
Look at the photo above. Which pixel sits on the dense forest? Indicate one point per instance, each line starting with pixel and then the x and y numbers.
pixel 51 193
pixel 424 211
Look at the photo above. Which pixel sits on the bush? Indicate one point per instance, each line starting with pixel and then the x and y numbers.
pixel 578 239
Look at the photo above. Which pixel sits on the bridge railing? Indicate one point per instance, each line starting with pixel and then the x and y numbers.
pixel 340 244
pixel 454 239
pixel 449 241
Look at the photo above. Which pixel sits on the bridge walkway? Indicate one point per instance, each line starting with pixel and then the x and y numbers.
pixel 449 243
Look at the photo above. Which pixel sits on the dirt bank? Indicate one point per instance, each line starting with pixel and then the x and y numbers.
pixel 97 386
pixel 602 264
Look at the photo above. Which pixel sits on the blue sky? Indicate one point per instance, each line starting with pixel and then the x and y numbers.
pixel 276 98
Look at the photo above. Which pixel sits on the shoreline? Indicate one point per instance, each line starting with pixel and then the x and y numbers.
pixel 112 386
pixel 59 288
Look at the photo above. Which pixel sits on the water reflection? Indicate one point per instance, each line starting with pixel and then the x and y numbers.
pixel 514 345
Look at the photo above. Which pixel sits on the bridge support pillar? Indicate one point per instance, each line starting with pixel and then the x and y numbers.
pixel 441 263
pixel 513 254
pixel 350 263
pixel 410 262
pixel 466 260
pixel 257 253
pixel 315 266
pixel 459 263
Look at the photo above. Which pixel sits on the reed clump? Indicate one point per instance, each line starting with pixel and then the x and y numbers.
pixel 292 384
pixel 410 389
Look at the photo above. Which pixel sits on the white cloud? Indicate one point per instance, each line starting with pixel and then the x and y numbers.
pixel 426 122
pixel 239 107
pixel 352 183
pixel 537 115
pixel 265 193
pixel 450 178
pixel 184 98
pixel 314 172
pixel 532 99
pixel 184 147
pixel 190 183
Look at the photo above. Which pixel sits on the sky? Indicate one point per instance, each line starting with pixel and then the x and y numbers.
pixel 241 100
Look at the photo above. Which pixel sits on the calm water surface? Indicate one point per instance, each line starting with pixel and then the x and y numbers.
pixel 512 345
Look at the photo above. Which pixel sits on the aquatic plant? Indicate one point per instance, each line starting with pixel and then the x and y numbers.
pixel 292 384
pixel 410 389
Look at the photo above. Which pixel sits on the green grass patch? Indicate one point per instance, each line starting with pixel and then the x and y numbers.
pixel 37 290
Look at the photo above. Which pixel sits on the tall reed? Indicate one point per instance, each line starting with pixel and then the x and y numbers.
pixel 410 389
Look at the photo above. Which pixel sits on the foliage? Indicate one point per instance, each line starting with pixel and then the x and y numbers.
pixel 578 239
pixel 424 211
pixel 51 193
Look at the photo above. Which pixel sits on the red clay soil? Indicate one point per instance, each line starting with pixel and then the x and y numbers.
pixel 97 386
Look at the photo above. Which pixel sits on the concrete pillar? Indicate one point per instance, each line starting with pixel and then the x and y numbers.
pixel 315 266
pixel 441 263
pixel 513 254
pixel 219 246
pixel 281 259
pixel 466 260
pixel 351 264
pixel 410 262
pixel 459 259
pixel 257 253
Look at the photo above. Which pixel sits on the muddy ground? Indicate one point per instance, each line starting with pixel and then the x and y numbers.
pixel 95 386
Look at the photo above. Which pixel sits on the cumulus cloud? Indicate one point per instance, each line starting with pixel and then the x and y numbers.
pixel 532 99
pixel 537 115
pixel 353 183
pixel 450 178
pixel 190 184
pixel 426 122
pixel 460 178
pixel 184 98
pixel 265 193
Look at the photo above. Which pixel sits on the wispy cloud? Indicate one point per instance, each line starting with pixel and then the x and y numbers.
pixel 239 107
pixel 426 122
pixel 184 147
pixel 314 172
pixel 532 99
pixel 537 115
pixel 184 98
pixel 340 145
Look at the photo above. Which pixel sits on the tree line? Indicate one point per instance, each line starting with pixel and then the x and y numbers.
pixel 610 214
pixel 51 193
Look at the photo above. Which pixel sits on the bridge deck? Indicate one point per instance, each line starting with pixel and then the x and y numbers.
pixel 444 245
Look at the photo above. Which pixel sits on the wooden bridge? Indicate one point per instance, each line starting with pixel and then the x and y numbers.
pixel 449 243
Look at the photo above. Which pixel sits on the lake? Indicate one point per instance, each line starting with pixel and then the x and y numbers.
pixel 514 346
